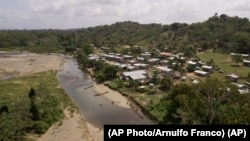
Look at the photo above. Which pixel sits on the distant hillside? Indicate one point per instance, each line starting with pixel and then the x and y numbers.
pixel 221 33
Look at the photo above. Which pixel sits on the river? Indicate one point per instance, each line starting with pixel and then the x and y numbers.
pixel 97 110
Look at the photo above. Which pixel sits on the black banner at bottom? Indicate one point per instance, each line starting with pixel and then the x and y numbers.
pixel 165 132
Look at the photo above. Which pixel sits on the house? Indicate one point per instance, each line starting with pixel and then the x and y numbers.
pixel 139 58
pixel 246 63
pixel 145 55
pixel 165 70
pixel 234 54
pixel 123 66
pixel 135 75
pixel 132 62
pixel 244 55
pixel 164 62
pixel 243 89
pixel 192 63
pixel 131 68
pixel 207 68
pixel 153 61
pixel 166 54
pixel 94 57
pixel 141 65
pixel 232 77
pixel 105 49
pixel 177 75
pixel 113 57
pixel 201 73
pixel 127 57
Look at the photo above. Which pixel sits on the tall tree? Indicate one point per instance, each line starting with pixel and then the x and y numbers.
pixel 166 83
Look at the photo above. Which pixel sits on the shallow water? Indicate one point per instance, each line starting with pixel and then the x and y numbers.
pixel 98 110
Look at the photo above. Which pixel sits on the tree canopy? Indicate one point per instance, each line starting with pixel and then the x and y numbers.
pixel 220 32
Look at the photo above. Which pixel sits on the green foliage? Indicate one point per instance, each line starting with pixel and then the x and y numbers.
pixel 40 127
pixel 190 68
pixel 110 71
pixel 209 102
pixel 155 77
pixel 237 59
pixel 98 65
pixel 100 77
pixel 248 77
pixel 87 49
pixel 31 105
pixel 166 83
pixel 220 33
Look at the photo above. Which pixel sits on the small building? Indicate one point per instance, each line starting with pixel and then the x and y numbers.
pixel 154 61
pixel 232 77
pixel 177 75
pixel 201 73
pixel 105 49
pixel 141 65
pixel 207 68
pixel 123 66
pixel 244 55
pixel 246 63
pixel 233 54
pixel 139 58
pixel 167 71
pixel 135 75
pixel 243 89
pixel 192 63
pixel 127 57
pixel 131 68
pixel 164 62
pixel 146 55
pixel 132 62
pixel 166 54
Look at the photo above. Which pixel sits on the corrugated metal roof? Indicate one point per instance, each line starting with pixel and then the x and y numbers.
pixel 137 77
pixel 200 72
pixel 138 72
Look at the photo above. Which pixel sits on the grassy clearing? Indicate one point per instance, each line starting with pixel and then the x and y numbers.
pixel 225 63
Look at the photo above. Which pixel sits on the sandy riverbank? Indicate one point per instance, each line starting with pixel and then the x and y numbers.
pixel 29 63
pixel 72 128
pixel 112 95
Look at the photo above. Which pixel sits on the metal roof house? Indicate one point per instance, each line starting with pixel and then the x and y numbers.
pixel 246 63
pixel 166 70
pixel 232 77
pixel 135 75
pixel 207 68
pixel 201 73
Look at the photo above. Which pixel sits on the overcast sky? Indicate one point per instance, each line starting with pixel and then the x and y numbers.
pixel 66 14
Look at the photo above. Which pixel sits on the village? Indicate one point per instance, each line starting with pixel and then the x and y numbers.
pixel 144 66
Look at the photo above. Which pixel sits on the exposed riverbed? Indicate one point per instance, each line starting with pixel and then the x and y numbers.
pixel 98 110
